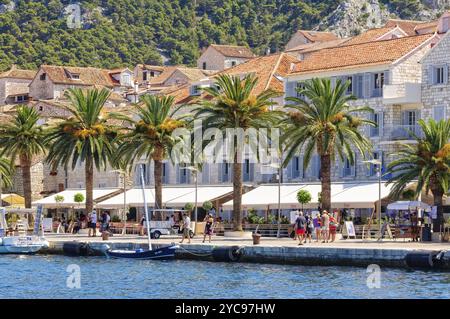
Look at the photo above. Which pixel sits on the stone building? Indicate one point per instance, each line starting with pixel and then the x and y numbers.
pixel 305 37
pixel 220 57
pixel 14 85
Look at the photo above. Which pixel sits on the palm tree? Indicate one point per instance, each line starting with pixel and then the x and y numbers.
pixel 150 136
pixel 428 162
pixel 22 139
pixel 324 122
pixel 87 136
pixel 233 105
pixel 6 172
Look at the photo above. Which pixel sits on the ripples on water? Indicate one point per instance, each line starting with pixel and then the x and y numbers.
pixel 45 277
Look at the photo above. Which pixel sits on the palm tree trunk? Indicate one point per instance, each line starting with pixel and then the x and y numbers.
pixel 325 177
pixel 438 194
pixel 237 195
pixel 25 164
pixel 89 176
pixel 158 185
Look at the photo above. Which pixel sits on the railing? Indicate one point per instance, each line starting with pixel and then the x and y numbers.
pixel 403 132
pixel 266 230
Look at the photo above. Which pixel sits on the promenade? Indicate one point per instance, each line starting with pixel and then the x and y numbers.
pixel 272 250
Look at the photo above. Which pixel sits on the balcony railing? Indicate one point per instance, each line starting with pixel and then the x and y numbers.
pixel 405 93
pixel 403 132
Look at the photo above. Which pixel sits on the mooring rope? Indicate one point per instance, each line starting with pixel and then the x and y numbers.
pixel 194 254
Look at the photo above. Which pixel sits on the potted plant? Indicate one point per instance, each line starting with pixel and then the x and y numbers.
pixel 207 206
pixel 59 198
pixel 303 197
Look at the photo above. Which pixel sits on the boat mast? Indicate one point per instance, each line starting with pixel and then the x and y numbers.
pixel 147 221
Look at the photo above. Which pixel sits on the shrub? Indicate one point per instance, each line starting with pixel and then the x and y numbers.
pixel 59 198
pixel 78 198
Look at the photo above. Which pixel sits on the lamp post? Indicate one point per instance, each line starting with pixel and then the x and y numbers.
pixel 194 171
pixel 377 164
pixel 279 172
pixel 124 174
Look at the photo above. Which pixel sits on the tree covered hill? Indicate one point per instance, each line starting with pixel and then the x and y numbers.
pixel 125 32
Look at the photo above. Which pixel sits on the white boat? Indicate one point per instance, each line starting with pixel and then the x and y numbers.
pixel 22 244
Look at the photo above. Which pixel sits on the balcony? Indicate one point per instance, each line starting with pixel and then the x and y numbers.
pixel 405 93
pixel 403 132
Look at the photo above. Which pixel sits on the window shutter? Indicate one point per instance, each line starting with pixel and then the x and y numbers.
pixel 367 168
pixel 205 173
pixel 342 168
pixel 252 172
pixel 367 85
pixel 431 75
pixel 381 123
pixel 445 73
pixel 386 77
pixel 439 112
pixel 354 167
pixel 290 89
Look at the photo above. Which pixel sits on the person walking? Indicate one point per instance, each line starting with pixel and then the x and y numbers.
pixel 208 227
pixel 317 222
pixel 93 223
pixel 142 226
pixel 333 227
pixel 186 228
pixel 300 224
pixel 309 228
pixel 325 219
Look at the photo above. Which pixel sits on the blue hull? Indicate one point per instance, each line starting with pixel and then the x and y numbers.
pixel 163 253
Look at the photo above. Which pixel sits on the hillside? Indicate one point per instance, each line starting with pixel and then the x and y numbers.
pixel 113 33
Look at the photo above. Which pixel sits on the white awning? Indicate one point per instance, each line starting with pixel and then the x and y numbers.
pixel 343 195
pixel 408 205
pixel 68 195
pixel 172 196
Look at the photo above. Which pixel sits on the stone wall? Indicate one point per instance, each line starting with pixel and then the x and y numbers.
pixel 436 95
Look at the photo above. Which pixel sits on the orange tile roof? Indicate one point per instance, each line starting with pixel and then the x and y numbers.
pixel 370 35
pixel 410 26
pixel 88 76
pixel 267 68
pixel 234 51
pixel 318 36
pixel 369 53
pixel 14 72
pixel 311 47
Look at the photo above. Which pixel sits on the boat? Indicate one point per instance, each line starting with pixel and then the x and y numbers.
pixel 161 253
pixel 24 244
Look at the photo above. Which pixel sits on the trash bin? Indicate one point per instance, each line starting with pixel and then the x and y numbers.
pixel 426 233
pixel 256 238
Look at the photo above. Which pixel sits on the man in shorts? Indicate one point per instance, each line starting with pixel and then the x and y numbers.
pixel 325 226
pixel 92 223
pixel 300 224
pixel 186 228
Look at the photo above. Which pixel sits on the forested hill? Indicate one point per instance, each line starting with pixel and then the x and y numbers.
pixel 125 32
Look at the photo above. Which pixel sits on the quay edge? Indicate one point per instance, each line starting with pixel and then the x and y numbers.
pixel 308 256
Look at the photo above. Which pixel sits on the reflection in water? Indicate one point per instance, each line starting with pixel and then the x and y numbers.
pixel 100 277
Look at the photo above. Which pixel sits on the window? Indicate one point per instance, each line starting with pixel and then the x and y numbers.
pixel 152 74
pixel 43 77
pixel 373 169
pixel 440 75
pixel 75 76
pixel 375 131
pixel 101 185
pixel 204 66
pixel 379 80
pixel 233 63
pixel 350 86
pixel 41 108
pixel 348 169
pixel 144 76
pixel 195 90
pixel 300 86
pixel 439 113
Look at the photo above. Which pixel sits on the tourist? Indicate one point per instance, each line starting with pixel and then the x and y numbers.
pixel 317 226
pixel 300 224
pixel 93 223
pixel 142 226
pixel 325 221
pixel 333 228
pixel 295 229
pixel 309 228
pixel 208 227
pixel 186 228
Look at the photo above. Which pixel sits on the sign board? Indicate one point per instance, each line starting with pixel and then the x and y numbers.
pixel 37 220
pixel 349 229
pixel 47 224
